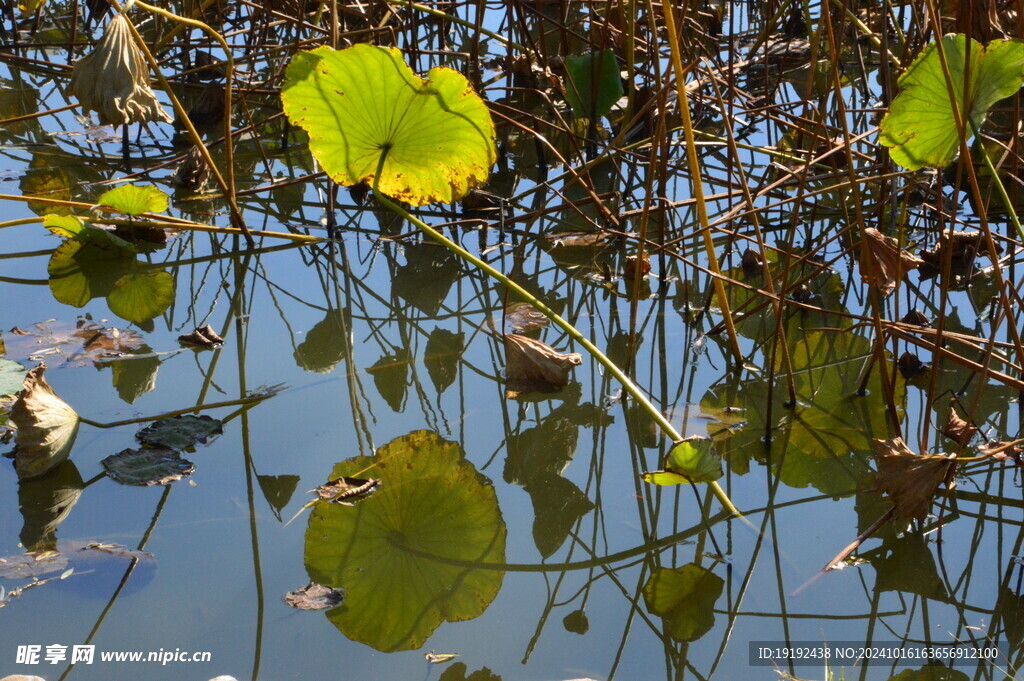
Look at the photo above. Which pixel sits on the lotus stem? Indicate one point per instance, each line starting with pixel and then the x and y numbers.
pixel 627 383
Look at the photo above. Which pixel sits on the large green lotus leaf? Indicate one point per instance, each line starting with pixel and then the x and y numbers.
pixel 360 102
pixel 825 441
pixel 140 296
pixel 685 598
pixel 405 555
pixel 920 126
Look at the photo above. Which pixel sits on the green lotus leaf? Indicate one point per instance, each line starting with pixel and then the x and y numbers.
pixel 685 598
pixel 363 102
pixel 405 556
pixel 920 126
pixel 135 200
pixel 67 226
pixel 81 270
pixel 140 296
pixel 593 83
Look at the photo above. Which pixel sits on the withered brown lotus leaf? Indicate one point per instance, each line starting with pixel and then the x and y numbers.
pixel 889 262
pixel 533 366
pixel 957 429
pixel 46 427
pixel 910 479
pixel 113 80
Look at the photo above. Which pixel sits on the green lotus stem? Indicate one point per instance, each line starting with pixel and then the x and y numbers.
pixel 999 184
pixel 564 325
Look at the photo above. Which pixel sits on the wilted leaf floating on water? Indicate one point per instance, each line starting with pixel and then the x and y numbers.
pixel 689 462
pixel 1003 451
pixel 441 357
pixel 685 598
pixel 22 677
pixel 325 344
pixel 203 336
pixel 147 466
pixel 314 597
pixel 406 555
pixel 346 490
pixel 889 262
pixel 29 566
pixel 957 429
pixel 437 134
pixel 439 658
pixel 62 344
pixel 391 377
pixel 910 479
pixel 533 366
pixel 46 427
pixel 180 432
pixel 113 79
pixel 12 376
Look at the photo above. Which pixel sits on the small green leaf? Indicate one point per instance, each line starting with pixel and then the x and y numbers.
pixel 593 83
pixel 135 200
pixel 920 126
pixel 694 458
pixel 140 296
pixel 67 226
pixel 364 101
pixel 665 478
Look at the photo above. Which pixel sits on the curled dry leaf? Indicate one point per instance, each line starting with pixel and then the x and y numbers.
pixel 46 427
pixel 314 597
pixel 910 365
pixel 889 262
pixel 203 336
pixel 113 80
pixel 910 479
pixel 533 366
pixel 957 429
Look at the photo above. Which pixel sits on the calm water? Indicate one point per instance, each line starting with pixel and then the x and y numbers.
pixel 523 522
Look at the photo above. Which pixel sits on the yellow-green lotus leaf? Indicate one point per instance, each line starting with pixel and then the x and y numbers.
pixel 405 556
pixel 920 127
pixel 364 101
pixel 133 199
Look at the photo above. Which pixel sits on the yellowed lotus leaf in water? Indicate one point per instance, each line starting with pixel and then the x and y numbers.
pixel 889 262
pixel 364 102
pixel 113 80
pixel 533 366
pixel 908 478
pixel 46 427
